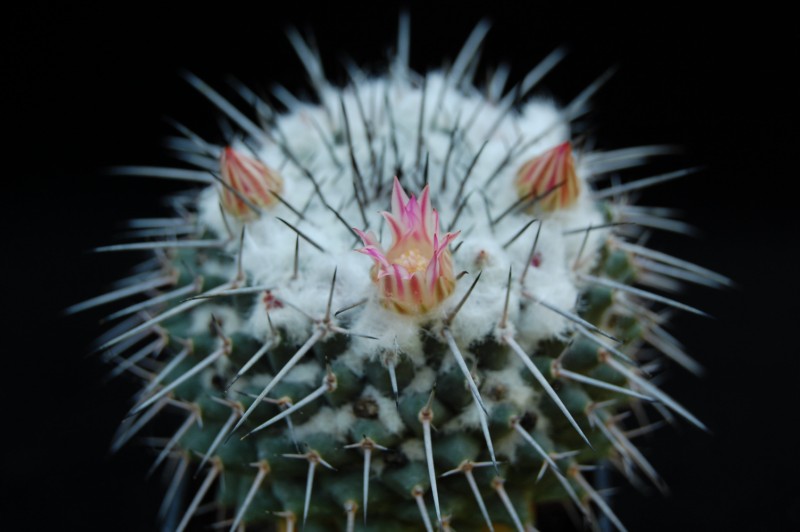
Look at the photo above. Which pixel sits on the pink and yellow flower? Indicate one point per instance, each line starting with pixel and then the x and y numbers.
pixel 416 274
pixel 251 179
pixel 549 180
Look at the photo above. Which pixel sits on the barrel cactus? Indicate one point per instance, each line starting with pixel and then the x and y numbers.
pixel 407 304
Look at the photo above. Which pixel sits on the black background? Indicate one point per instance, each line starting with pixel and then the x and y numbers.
pixel 88 87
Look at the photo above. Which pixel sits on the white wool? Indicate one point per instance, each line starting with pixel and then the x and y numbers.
pixel 226 316
pixel 333 422
pixel 413 449
pixel 269 244
pixel 310 372
pixel 467 419
pixel 423 380
pixel 507 446
pixel 519 392
pixel 394 333
pixel 387 410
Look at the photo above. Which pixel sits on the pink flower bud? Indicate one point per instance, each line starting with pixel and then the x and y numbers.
pixel 252 181
pixel 549 180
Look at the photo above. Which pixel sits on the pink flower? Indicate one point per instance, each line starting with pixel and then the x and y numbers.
pixel 251 179
pixel 551 178
pixel 416 274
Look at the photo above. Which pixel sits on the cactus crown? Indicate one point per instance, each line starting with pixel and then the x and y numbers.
pixel 491 332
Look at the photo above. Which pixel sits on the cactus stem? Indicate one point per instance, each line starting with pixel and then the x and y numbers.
pixel 313 339
pixel 487 437
pixel 417 492
pixel 426 417
pixel 236 411
pixel 466 468
pixel 482 412
pixel 451 343
pixel 301 234
pixel 655 392
pixel 558 371
pixel 497 485
pixel 367 445
pixel 183 307
pixel 328 385
pixel 210 359
pixel 314 459
pixel 263 471
pixel 546 385
pixel 286 404
pixel 605 345
pixel 213 473
pixel 554 456
pixel 249 364
pixel 598 500
pixel 191 419
pixel 533 443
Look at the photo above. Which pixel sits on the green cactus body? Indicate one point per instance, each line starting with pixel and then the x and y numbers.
pixel 466 368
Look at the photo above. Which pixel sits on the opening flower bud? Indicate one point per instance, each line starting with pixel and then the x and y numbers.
pixel 416 273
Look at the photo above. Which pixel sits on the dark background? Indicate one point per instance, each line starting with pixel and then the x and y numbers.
pixel 88 87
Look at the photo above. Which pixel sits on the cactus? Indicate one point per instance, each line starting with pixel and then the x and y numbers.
pixel 408 304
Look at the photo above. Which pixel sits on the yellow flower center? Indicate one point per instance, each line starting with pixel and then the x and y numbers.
pixel 413 261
